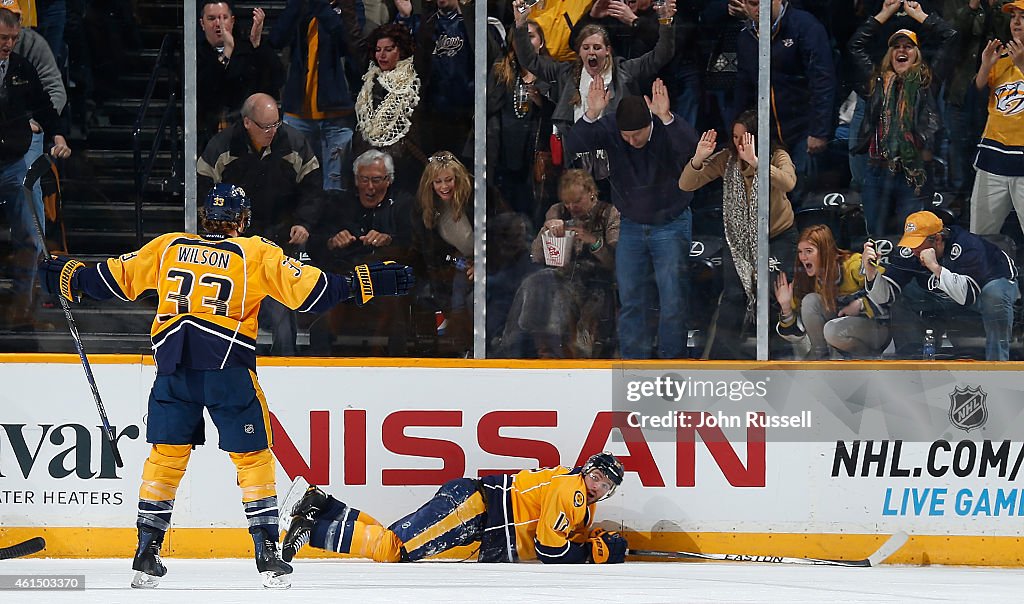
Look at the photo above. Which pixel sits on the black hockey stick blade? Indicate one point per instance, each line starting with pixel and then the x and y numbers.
pixel 25 548
pixel 35 172
pixel 891 545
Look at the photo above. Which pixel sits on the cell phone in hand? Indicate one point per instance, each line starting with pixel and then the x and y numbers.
pixel 527 5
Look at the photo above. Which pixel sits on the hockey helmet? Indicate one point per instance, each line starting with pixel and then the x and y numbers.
pixel 609 466
pixel 228 203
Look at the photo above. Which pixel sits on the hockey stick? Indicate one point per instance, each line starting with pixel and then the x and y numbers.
pixel 35 172
pixel 25 548
pixel 890 547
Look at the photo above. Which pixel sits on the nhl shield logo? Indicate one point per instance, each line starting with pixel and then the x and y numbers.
pixel 967 409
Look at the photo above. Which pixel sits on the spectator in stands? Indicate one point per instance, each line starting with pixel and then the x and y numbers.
pixel 275 165
pixel 900 119
pixel 646 157
pixel 556 18
pixel 825 311
pixel 519 130
pixel 322 36
pixel 596 61
pixel 508 263
pixel 632 25
pixel 963 109
pixel 803 80
pixel 721 24
pixel 442 229
pixel 36 50
pixel 23 95
pixel 944 270
pixel 371 225
pixel 999 183
pixel 737 166
pixel 444 61
pixel 568 311
pixel 387 101
pixel 230 68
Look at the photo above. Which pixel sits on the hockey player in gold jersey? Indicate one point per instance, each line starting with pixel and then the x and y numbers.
pixel 209 290
pixel 540 514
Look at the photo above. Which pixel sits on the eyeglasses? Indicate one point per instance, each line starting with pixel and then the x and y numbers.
pixel 374 180
pixel 268 128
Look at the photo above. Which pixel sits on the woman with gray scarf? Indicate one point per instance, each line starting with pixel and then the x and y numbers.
pixel 737 166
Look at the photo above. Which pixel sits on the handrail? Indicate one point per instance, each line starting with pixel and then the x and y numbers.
pixel 142 173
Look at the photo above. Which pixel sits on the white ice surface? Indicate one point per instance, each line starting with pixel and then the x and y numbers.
pixel 338 581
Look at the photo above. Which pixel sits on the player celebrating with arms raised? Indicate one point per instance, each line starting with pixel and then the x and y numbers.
pixel 204 341
pixel 540 514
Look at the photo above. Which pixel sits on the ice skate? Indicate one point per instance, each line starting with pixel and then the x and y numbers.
pixel 147 564
pixel 304 512
pixel 295 492
pixel 268 561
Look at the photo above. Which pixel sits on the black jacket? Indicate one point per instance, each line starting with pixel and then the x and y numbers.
pixel 284 183
pixel 221 88
pixel 869 82
pixel 21 99
pixel 343 211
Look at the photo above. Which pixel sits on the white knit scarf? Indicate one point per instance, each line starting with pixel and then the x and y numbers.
pixel 388 122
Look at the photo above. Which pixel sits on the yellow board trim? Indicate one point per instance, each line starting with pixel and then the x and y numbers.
pixel 100 542
pixel 557 364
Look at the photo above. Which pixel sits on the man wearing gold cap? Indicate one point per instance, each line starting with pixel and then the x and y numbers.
pixel 944 270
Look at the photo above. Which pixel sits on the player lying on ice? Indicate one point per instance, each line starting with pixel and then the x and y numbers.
pixel 209 291
pixel 540 514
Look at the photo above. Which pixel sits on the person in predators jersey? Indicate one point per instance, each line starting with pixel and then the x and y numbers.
pixel 540 514
pixel 209 290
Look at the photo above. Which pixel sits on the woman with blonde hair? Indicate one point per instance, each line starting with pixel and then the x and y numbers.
pixel 569 310
pixel 443 238
pixel 595 59
pixel 826 304
pixel 901 119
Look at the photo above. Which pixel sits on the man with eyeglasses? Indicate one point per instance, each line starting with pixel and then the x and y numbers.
pixel 542 514
pixel 943 270
pixel 366 225
pixel 276 165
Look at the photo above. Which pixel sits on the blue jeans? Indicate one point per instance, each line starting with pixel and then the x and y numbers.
pixel 652 270
pixel 881 190
pixel 331 140
pixel 35 150
pixel 859 162
pixel 995 305
pixel 687 103
pixel 24 238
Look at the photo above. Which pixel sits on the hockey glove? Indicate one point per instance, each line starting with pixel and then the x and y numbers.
pixel 58 276
pixel 607 547
pixel 380 279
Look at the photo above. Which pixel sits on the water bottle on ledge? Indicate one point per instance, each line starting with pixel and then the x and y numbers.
pixel 928 347
pixel 458 262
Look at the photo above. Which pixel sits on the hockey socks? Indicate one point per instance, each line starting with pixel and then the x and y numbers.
pixel 347 530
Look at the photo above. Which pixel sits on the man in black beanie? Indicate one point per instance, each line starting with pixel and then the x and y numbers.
pixel 646 157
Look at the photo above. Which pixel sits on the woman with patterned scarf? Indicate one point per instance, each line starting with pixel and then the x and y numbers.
pixel 387 101
pixel 737 166
pixel 901 119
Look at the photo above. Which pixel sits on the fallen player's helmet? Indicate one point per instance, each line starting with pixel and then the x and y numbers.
pixel 228 203
pixel 609 465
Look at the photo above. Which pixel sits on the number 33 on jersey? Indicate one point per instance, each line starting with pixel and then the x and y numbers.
pixel 209 294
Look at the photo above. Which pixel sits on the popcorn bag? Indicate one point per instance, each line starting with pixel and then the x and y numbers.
pixel 557 250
